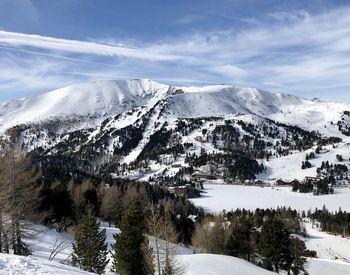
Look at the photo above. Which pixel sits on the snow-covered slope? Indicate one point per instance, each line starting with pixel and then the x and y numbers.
pixel 224 99
pixel 208 264
pixel 332 251
pixel 100 98
pixel 20 265
pixel 105 98
pixel 122 118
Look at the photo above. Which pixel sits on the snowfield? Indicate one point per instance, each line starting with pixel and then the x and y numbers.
pixel 220 196
pixel 327 267
pixel 20 265
pixel 210 264
pixel 328 247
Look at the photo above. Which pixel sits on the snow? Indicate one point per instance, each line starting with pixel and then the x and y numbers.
pixel 98 100
pixel 328 246
pixel 289 167
pixel 210 264
pixel 332 250
pixel 327 267
pixel 20 265
pixel 225 100
pixel 219 197
pixel 111 97
pixel 93 98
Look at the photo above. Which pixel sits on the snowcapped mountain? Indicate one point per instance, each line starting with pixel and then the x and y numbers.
pixel 107 98
pixel 98 99
pixel 104 124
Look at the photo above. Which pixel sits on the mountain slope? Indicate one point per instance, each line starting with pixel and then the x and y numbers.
pixel 105 124
pixel 100 98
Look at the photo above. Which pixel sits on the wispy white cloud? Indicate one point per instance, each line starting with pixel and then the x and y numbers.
pixel 290 50
pixel 230 71
pixel 292 47
pixel 80 47
pixel 190 18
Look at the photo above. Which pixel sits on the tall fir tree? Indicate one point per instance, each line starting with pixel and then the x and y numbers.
pixel 297 250
pixel 130 251
pixel 90 250
pixel 274 245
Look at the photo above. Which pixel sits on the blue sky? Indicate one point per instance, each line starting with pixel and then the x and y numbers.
pixel 298 47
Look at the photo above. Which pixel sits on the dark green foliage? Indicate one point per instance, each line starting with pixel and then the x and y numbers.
pixel 297 251
pixel 337 222
pixel 128 256
pixel 262 237
pixel 185 229
pixel 274 245
pixel 90 250
pixel 57 202
pixel 318 187
pixel 242 241
pixel 306 165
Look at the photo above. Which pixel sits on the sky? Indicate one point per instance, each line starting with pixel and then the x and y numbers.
pixel 297 47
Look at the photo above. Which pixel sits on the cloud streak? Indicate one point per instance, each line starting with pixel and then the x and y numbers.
pixel 80 47
pixel 295 51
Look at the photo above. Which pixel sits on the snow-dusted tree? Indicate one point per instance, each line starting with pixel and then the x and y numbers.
pixel 90 250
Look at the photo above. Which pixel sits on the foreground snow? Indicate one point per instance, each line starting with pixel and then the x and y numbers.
pixel 219 197
pixel 333 252
pixel 209 264
pixel 327 267
pixel 196 264
pixel 20 265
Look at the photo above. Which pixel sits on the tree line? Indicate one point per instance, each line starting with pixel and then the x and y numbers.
pixel 267 238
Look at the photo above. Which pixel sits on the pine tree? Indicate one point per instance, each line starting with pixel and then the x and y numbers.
pixel 297 250
pixel 129 249
pixel 90 250
pixel 274 245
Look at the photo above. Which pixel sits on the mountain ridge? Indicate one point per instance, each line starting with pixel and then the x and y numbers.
pixel 110 97
pixel 106 126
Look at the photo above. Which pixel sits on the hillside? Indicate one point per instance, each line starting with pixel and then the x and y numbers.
pixel 102 126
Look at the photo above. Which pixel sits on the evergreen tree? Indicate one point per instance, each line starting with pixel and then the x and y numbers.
pixel 129 250
pixel 90 250
pixel 240 242
pixel 297 251
pixel 274 245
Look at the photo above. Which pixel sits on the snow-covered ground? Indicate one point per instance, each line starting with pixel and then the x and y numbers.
pixel 20 265
pixel 327 267
pixel 289 167
pixel 220 196
pixel 333 251
pixel 327 246
pixel 199 264
pixel 210 264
